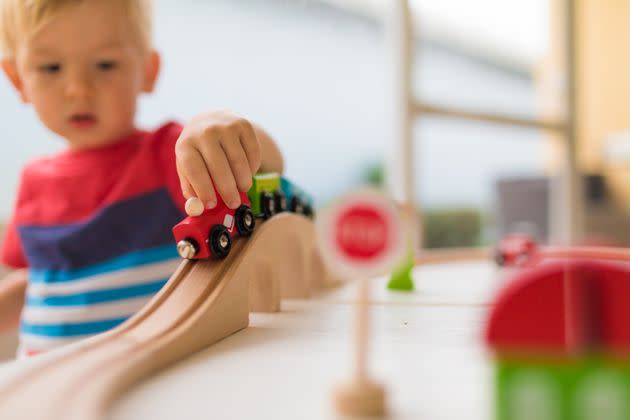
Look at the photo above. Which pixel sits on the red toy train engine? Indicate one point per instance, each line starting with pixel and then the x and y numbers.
pixel 210 234
pixel 516 250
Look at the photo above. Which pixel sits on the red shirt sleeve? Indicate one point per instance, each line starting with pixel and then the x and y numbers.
pixel 11 252
pixel 165 138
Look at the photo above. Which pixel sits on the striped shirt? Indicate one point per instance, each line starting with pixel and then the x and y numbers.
pixel 93 227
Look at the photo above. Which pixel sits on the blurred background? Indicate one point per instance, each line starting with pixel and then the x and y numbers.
pixel 315 74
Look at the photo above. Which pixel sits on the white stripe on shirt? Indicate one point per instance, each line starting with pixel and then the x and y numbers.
pixel 43 315
pixel 124 278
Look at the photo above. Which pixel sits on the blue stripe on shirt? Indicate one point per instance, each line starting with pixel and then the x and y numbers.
pixel 99 296
pixel 69 330
pixel 140 222
pixel 131 260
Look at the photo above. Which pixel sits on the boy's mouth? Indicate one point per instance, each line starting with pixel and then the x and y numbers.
pixel 83 120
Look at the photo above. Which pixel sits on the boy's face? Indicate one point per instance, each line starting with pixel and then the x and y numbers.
pixel 83 72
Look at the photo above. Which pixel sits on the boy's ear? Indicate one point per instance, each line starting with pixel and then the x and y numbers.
pixel 10 69
pixel 151 71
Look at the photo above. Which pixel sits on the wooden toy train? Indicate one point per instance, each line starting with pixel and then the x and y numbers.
pixel 521 251
pixel 515 250
pixel 210 233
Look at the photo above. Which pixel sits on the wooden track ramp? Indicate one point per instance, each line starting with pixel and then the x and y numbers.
pixel 202 303
pixel 603 253
pixel 452 255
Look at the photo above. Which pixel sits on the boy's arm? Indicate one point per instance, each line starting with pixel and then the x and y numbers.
pixel 12 293
pixel 271 159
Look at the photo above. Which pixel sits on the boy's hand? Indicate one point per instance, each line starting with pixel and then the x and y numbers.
pixel 12 292
pixel 221 150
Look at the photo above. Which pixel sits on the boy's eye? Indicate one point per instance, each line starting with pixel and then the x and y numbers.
pixel 50 68
pixel 106 65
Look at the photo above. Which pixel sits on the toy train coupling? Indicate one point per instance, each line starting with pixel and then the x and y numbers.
pixel 187 248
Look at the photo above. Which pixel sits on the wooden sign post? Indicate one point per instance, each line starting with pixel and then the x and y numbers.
pixel 360 237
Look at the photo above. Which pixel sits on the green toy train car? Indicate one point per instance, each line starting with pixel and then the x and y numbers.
pixel 266 195
pixel 271 194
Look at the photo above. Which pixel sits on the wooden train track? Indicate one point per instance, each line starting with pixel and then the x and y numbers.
pixel 202 303
pixel 590 252
pixel 454 255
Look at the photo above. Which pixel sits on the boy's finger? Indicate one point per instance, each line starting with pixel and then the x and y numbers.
pixel 251 146
pixel 187 189
pixel 238 163
pixel 195 170
pixel 216 161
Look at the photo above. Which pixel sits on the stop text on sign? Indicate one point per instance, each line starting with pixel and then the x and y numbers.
pixel 362 232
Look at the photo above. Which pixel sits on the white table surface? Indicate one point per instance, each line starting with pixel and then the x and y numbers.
pixel 426 347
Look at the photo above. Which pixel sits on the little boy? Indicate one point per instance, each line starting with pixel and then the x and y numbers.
pixel 90 236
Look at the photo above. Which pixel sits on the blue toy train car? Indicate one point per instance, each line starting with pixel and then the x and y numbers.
pixel 298 200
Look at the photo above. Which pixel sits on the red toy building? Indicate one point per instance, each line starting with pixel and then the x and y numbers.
pixel 561 338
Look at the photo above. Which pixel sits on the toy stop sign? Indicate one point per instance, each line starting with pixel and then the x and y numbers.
pixel 360 234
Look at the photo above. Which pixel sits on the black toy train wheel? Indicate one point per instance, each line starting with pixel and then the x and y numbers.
pixel 281 202
pixel 268 204
pixel 219 241
pixel 245 221
pixel 498 259
pixel 308 211
pixel 297 205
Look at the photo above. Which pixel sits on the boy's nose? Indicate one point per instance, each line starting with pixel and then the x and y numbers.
pixel 78 86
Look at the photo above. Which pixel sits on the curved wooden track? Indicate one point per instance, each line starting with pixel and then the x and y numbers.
pixel 452 255
pixel 589 252
pixel 202 303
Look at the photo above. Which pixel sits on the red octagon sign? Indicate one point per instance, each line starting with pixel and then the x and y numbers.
pixel 360 234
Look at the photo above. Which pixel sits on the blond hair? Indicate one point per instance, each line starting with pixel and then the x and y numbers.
pixel 21 19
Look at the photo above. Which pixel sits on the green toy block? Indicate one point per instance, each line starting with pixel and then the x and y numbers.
pixel 401 279
pixel 587 388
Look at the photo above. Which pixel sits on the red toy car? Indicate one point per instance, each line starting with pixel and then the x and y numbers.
pixel 515 250
pixel 210 234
